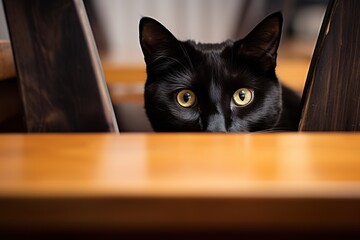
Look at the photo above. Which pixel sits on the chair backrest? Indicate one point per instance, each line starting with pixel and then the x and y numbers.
pixel 58 68
pixel 331 98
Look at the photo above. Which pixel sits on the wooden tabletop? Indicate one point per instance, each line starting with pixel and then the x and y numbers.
pixel 180 181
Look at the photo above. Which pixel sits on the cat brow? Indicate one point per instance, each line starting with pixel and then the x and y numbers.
pixel 180 78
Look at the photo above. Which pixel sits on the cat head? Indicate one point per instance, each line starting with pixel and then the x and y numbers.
pixel 225 87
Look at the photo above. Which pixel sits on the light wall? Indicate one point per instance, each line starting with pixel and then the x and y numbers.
pixel 200 20
pixel 3 28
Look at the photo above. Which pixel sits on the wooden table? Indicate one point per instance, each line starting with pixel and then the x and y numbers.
pixel 252 184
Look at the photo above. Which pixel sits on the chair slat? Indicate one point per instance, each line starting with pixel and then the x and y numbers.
pixel 331 99
pixel 58 67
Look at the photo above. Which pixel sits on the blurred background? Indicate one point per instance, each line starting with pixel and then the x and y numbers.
pixel 115 28
pixel 202 20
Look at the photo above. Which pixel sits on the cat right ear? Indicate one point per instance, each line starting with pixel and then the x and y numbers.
pixel 156 41
pixel 263 41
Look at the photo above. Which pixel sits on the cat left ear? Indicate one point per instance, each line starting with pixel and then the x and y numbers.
pixel 264 39
pixel 156 40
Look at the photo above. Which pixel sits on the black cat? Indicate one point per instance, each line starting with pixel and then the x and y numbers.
pixel 225 87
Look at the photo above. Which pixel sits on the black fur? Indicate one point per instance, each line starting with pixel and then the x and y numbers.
pixel 214 72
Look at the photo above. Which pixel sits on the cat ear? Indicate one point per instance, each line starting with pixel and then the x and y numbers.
pixel 156 40
pixel 263 41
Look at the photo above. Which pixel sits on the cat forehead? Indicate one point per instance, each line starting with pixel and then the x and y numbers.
pixel 211 47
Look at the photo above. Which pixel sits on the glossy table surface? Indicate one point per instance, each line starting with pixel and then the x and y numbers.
pixel 178 164
pixel 180 180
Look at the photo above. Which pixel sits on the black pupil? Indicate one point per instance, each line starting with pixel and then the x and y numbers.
pixel 242 95
pixel 187 97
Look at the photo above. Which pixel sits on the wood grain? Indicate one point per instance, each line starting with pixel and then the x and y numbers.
pixel 60 76
pixel 193 163
pixel 180 182
pixel 331 97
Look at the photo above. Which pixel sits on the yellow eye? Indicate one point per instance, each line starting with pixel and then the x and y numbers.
pixel 243 97
pixel 186 98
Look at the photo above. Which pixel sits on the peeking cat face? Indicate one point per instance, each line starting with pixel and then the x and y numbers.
pixel 225 87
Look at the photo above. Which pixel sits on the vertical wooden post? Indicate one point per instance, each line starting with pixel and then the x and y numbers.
pixel 331 99
pixel 58 67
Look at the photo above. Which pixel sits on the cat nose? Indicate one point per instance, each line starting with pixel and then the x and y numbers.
pixel 216 123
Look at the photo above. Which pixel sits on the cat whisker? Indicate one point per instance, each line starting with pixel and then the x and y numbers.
pixel 187 56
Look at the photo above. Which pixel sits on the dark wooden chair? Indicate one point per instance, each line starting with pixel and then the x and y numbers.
pixel 331 98
pixel 59 74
